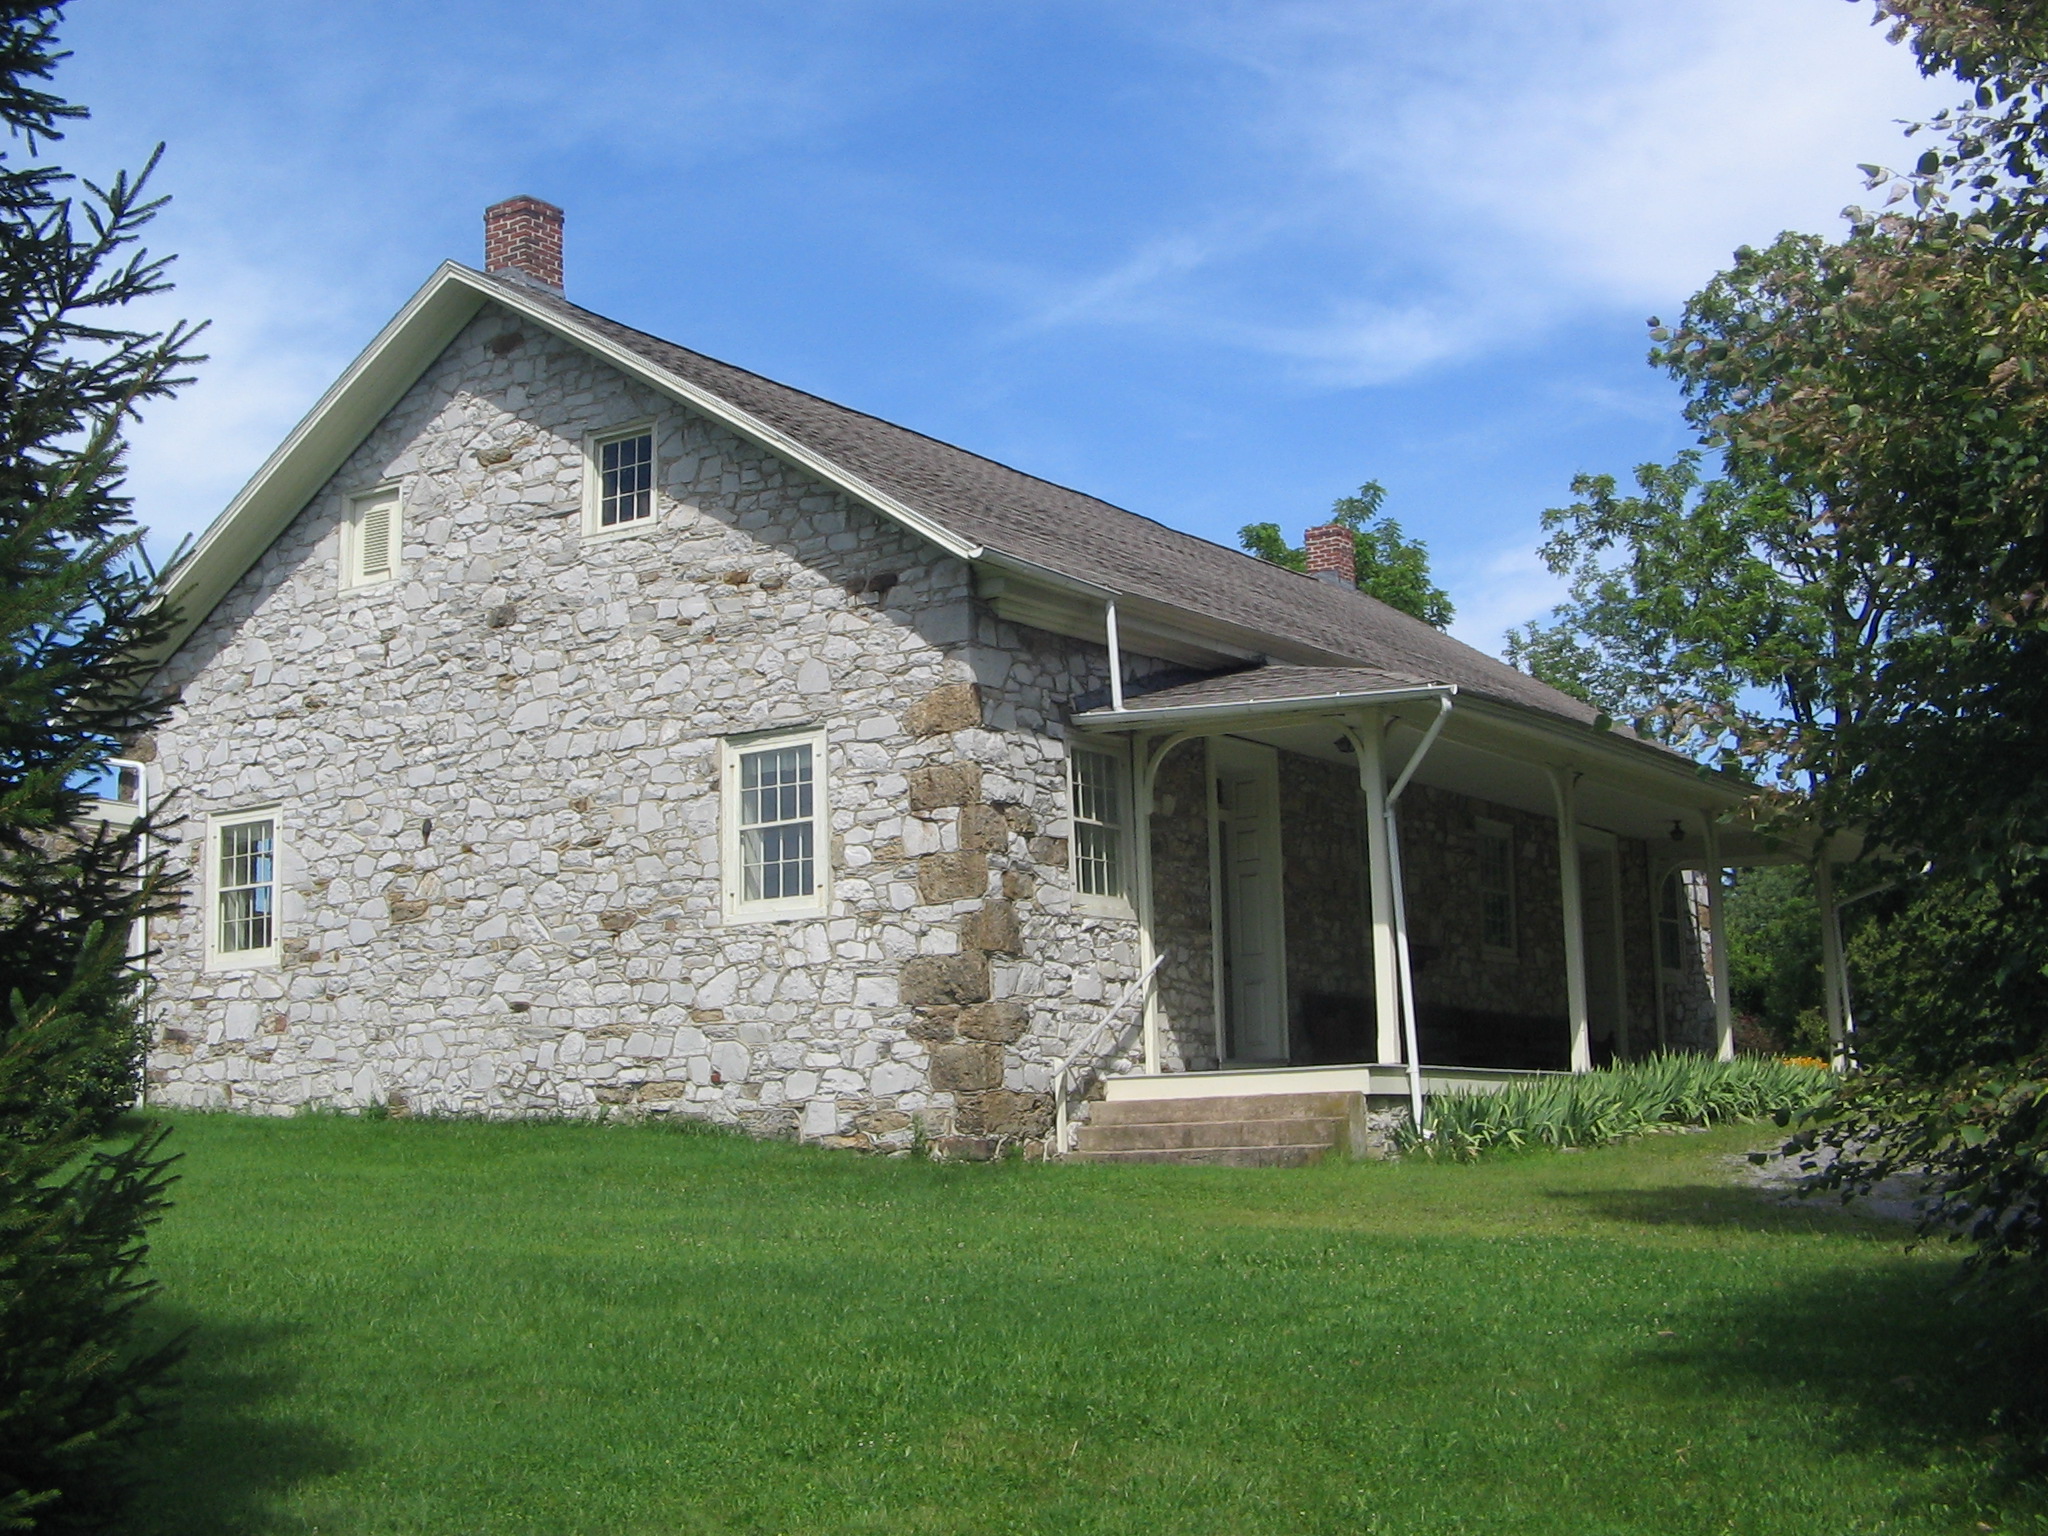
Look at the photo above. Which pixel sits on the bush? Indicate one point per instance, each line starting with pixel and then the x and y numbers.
pixel 1590 1109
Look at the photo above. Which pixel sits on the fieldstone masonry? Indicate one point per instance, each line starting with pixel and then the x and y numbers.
pixel 496 784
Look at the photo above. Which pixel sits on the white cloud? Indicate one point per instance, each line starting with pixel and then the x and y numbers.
pixel 1498 591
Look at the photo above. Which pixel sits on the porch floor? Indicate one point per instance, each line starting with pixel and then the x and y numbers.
pixel 1371 1078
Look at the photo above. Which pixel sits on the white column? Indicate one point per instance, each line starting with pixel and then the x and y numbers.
pixel 1724 1013
pixel 1386 981
pixel 1562 791
pixel 1834 970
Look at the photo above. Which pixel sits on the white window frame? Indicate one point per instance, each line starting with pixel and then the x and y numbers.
pixel 218 825
pixel 594 445
pixel 360 505
pixel 1099 904
pixel 1496 832
pixel 738 909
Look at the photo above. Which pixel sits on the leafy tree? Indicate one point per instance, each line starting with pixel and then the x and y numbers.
pixel 1774 971
pixel 1391 566
pixel 1715 615
pixel 77 606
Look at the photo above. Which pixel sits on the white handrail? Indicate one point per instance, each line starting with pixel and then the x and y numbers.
pixel 1059 1074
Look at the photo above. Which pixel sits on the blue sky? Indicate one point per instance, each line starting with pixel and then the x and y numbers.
pixel 1215 262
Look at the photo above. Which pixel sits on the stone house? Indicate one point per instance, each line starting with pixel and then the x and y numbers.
pixel 568 720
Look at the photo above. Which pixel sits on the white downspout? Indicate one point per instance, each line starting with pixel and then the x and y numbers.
pixel 1407 971
pixel 1724 1008
pixel 1564 788
pixel 1116 656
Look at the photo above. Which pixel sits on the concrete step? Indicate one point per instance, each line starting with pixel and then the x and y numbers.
pixel 1226 1157
pixel 1261 1106
pixel 1171 1134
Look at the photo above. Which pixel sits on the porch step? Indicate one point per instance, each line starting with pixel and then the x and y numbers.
pixel 1166 1134
pixel 1243 1106
pixel 1223 1157
pixel 1281 1130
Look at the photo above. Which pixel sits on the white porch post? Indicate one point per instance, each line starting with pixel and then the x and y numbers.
pixel 1562 785
pixel 1141 868
pixel 1386 980
pixel 1724 1013
pixel 1834 970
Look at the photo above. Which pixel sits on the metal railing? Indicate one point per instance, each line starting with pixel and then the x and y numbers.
pixel 1060 1073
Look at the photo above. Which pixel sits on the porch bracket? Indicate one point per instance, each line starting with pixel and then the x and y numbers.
pixel 1150 752
pixel 1564 788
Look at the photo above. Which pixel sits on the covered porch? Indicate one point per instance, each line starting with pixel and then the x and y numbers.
pixel 1352 881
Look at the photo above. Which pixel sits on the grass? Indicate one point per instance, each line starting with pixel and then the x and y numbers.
pixel 1592 1109
pixel 457 1327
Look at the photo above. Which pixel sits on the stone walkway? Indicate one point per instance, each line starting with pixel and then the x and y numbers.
pixel 1900 1198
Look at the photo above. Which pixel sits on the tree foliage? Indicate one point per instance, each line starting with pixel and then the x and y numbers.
pixel 1391 566
pixel 78 610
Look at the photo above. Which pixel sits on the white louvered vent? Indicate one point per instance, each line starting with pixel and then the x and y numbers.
pixel 376 534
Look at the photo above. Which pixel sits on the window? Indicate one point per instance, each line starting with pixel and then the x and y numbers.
pixel 1099 822
pixel 621 481
pixel 242 871
pixel 775 834
pixel 1672 927
pixel 369 539
pixel 1496 886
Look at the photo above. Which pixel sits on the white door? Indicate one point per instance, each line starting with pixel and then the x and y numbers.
pixel 1255 949
pixel 1602 949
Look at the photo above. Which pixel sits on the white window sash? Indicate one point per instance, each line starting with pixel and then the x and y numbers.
pixel 775 826
pixel 640 481
pixel 1099 851
pixel 244 890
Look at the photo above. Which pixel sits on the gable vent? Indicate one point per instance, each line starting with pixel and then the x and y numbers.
pixel 374 542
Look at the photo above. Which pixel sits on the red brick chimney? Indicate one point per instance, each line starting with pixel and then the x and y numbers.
pixel 1331 554
pixel 523 239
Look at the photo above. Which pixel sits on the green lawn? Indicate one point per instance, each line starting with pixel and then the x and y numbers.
pixel 459 1327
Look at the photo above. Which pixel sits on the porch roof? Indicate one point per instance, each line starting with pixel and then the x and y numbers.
pixel 1277 686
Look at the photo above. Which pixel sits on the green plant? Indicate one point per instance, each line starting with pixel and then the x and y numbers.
pixel 1591 1109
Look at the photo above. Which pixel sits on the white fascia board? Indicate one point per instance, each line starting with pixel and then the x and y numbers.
pixel 723 411
pixel 1571 745
pixel 1224 712
pixel 316 448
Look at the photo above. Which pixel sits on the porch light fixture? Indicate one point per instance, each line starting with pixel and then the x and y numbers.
pixel 1677 830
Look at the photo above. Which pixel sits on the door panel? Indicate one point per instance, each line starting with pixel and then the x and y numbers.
pixel 1254 958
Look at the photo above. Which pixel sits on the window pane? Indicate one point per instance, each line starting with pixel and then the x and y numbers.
pixel 775 786
pixel 626 470
pixel 247 886
pixel 1095 789
pixel 776 862
pixel 1097 862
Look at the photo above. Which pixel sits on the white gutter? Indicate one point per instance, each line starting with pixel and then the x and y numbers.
pixel 1198 714
pixel 1409 1035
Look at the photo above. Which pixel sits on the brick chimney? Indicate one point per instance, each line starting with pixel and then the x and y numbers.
pixel 523 239
pixel 1331 554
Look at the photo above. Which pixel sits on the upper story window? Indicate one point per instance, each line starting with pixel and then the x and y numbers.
pixel 242 904
pixel 370 538
pixel 1100 822
pixel 620 493
pixel 1496 886
pixel 775 835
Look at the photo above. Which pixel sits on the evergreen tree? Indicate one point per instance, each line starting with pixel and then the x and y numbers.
pixel 78 609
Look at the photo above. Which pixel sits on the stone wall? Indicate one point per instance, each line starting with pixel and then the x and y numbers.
pixel 1181 908
pixel 496 783
pixel 1328 911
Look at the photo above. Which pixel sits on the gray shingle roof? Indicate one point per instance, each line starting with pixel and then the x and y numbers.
pixel 1079 536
